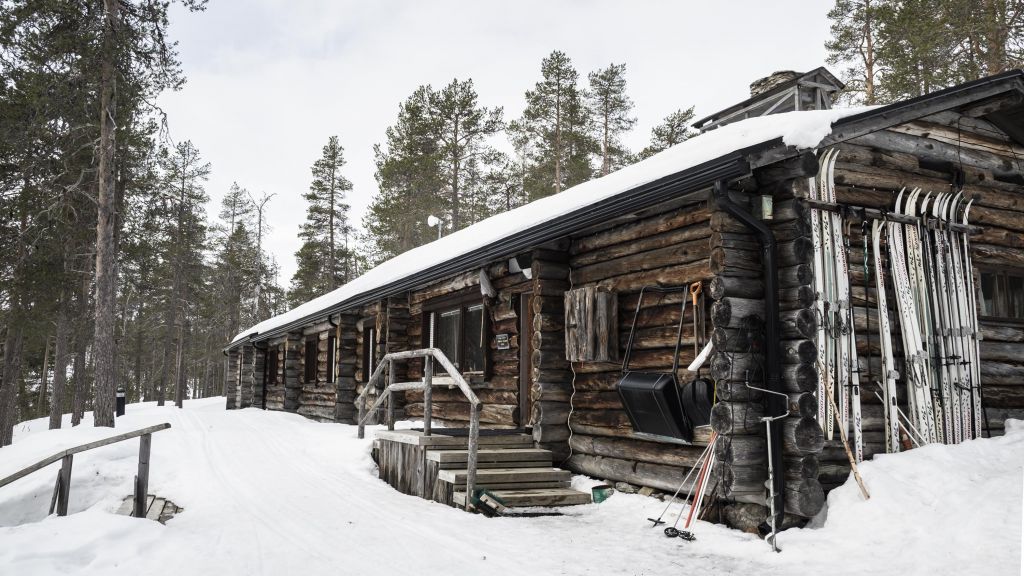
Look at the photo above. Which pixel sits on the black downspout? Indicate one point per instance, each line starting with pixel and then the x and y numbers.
pixel 775 406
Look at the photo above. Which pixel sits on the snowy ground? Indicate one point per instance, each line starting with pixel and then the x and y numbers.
pixel 273 493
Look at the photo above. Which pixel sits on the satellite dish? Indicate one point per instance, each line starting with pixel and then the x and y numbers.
pixel 433 220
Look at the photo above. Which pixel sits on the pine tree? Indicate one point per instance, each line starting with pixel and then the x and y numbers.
pixel 462 129
pixel 611 109
pixel 674 129
pixel 854 34
pixel 557 125
pixel 409 184
pixel 897 49
pixel 326 232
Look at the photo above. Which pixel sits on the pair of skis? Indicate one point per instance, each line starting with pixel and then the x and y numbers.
pixel 934 287
pixel 836 338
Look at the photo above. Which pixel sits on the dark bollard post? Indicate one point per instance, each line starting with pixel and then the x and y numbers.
pixel 120 401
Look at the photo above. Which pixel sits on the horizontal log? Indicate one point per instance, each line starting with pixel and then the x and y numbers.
pixel 679 218
pixel 730 418
pixel 805 498
pixel 732 312
pixel 684 253
pixel 799 351
pixel 661 477
pixel 735 262
pixel 639 450
pixel 742 450
pixel 724 286
pixel 735 479
pixel 801 436
pixel 802 323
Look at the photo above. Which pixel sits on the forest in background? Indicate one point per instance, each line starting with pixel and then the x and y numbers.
pixel 115 275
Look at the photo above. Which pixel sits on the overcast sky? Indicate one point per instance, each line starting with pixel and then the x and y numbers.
pixel 270 80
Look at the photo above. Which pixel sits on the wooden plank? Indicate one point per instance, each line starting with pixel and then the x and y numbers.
pixel 156 507
pixel 534 497
pixel 490 455
pixel 507 475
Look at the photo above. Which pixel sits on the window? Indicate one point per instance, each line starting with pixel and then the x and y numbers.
pixel 460 331
pixel 330 358
pixel 309 359
pixel 369 350
pixel 272 358
pixel 1002 294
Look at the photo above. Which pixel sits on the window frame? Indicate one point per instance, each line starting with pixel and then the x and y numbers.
pixel 1001 308
pixel 462 301
pixel 309 361
pixel 332 368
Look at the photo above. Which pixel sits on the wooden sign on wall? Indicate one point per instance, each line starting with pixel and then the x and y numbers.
pixel 591 325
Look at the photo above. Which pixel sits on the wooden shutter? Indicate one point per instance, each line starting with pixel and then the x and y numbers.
pixel 591 325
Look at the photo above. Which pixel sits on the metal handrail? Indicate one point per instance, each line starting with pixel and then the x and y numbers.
pixel 62 488
pixel 428 355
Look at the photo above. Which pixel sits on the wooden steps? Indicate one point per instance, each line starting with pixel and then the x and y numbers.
pixel 508 465
pixel 159 509
pixel 545 497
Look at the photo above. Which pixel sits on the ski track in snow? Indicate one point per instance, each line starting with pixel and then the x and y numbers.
pixel 275 494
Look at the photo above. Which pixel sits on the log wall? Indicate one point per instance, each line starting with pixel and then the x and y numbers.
pixel 275 385
pixel 245 379
pixel 292 370
pixel 666 247
pixel 231 379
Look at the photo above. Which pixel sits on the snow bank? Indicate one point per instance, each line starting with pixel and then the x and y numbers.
pixel 273 493
pixel 799 129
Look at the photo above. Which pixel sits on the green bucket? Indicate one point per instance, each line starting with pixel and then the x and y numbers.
pixel 601 493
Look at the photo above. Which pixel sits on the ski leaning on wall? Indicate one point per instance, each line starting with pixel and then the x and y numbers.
pixel 925 260
pixel 839 370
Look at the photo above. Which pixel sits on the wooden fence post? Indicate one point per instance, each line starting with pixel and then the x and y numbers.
pixel 391 397
pixel 65 485
pixel 142 480
pixel 428 386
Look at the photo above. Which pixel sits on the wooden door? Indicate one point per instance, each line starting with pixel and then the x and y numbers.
pixel 525 358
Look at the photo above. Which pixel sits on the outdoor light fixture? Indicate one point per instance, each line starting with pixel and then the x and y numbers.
pixel 435 221
pixel 521 263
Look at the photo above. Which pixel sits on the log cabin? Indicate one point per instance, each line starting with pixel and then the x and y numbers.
pixel 535 307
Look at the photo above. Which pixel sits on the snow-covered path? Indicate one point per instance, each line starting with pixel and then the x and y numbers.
pixel 273 493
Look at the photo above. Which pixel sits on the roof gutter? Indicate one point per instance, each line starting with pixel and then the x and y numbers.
pixel 730 166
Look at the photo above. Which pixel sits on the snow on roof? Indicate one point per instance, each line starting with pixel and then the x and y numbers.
pixel 800 129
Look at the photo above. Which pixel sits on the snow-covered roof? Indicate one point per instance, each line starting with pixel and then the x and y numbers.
pixel 799 129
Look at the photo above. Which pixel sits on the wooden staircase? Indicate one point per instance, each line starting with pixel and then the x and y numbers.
pixel 515 471
pixel 435 467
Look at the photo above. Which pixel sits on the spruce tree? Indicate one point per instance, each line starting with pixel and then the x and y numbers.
pixel 611 110
pixel 674 129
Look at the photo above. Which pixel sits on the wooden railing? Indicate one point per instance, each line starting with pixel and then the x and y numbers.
pixel 428 355
pixel 62 489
